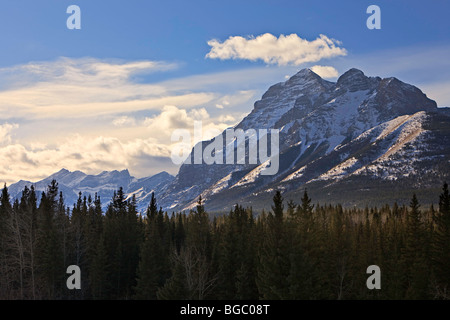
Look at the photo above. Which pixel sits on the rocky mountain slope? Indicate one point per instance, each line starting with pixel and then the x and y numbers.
pixel 357 141
pixel 104 184
pixel 366 135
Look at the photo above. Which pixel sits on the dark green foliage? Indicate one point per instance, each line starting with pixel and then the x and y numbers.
pixel 441 246
pixel 123 237
pixel 237 254
pixel 274 264
pixel 5 215
pixel 175 288
pixel 98 271
pixel 296 251
pixel 414 257
pixel 154 254
pixel 51 234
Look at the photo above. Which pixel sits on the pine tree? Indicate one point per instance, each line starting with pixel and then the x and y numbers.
pixel 229 256
pixel 152 209
pixel 414 255
pixel 16 251
pixel 175 288
pixel 302 241
pixel 234 250
pixel 123 237
pixel 392 270
pixel 111 230
pixel 28 217
pixel 132 240
pixel 273 268
pixel 5 215
pixel 50 256
pixel 339 254
pixel 180 234
pixel 441 245
pixel 98 272
pixel 93 231
pixel 151 269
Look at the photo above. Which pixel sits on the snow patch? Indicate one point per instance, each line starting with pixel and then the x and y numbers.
pixel 252 175
pixel 221 184
pixel 297 174
pixel 339 171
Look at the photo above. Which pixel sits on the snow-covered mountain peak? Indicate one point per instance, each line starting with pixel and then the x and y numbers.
pixel 103 184
pixel 302 77
pixel 356 80
pixel 337 136
pixel 320 122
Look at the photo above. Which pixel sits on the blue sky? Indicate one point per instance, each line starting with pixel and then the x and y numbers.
pixel 179 30
pixel 139 69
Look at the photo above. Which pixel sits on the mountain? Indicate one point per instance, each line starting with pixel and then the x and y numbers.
pixel 357 141
pixel 360 140
pixel 104 184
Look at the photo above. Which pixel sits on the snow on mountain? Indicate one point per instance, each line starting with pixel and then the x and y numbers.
pixel 252 175
pixel 361 126
pixel 103 184
pixel 338 139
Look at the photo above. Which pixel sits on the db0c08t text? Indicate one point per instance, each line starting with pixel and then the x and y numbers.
pixel 261 309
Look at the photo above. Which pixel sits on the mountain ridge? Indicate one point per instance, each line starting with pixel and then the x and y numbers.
pixel 103 184
pixel 356 134
pixel 314 116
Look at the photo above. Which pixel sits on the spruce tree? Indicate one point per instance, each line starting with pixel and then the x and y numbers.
pixel 93 231
pixel 150 274
pixel 274 266
pixel 302 241
pixel 123 236
pixel 180 233
pixel 5 214
pixel 50 259
pixel 98 272
pixel 28 213
pixel 441 245
pixel 414 255
pixel 175 288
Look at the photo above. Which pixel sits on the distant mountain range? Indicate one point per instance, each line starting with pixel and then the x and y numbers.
pixel 360 140
pixel 104 184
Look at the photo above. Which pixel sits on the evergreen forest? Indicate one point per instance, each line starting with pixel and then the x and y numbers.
pixel 297 250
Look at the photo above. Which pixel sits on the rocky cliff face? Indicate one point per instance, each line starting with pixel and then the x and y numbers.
pixel 357 141
pixel 358 126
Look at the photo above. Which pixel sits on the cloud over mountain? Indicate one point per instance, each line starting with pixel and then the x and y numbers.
pixel 284 50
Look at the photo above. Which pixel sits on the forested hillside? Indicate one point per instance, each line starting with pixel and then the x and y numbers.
pixel 297 250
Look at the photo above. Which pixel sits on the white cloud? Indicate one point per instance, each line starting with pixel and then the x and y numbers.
pixel 82 71
pixel 90 155
pixel 143 156
pixel 227 118
pixel 5 132
pixel 94 115
pixel 68 88
pixel 284 50
pixel 124 121
pixel 172 118
pixel 325 72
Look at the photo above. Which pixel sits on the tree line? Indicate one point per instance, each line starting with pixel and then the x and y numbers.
pixel 293 251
